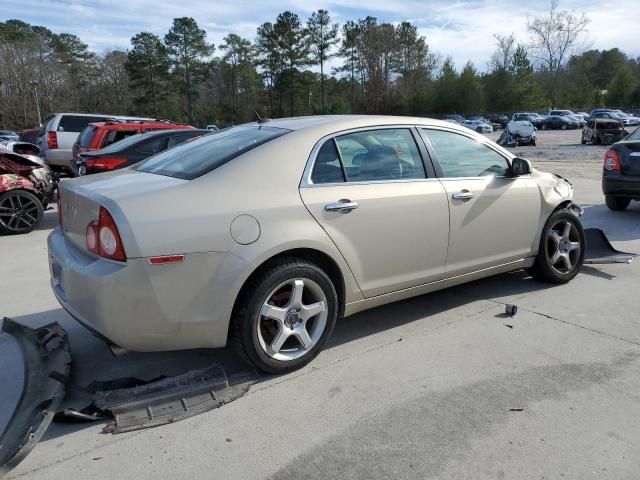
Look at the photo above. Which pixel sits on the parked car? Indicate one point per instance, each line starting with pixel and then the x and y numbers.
pixel 132 150
pixel 518 133
pixel 459 119
pixel 610 115
pixel 264 234
pixel 102 134
pixel 635 112
pixel 213 128
pixel 602 131
pixel 494 125
pixel 26 188
pixel 554 122
pixel 31 135
pixel 61 131
pixel 499 118
pixel 9 135
pixel 621 172
pixel 569 114
pixel 478 125
pixel 627 120
pixel 527 117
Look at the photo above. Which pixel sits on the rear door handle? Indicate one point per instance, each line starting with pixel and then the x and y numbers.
pixel 462 195
pixel 342 206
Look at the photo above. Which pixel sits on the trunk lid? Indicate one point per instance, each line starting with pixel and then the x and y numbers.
pixel 81 199
pixel 629 153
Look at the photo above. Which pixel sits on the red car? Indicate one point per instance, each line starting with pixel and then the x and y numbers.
pixel 26 187
pixel 98 135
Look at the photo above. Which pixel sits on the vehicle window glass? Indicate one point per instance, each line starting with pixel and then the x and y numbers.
pixel 86 136
pixel 114 136
pixel 384 154
pixel 327 168
pixel 75 123
pixel 152 146
pixel 193 159
pixel 635 135
pixel 178 139
pixel 461 156
pixel 124 144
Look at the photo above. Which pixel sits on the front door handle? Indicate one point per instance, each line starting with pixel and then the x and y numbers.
pixel 342 206
pixel 462 195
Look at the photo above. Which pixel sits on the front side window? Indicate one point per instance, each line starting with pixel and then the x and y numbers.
pixel 461 156
pixel 382 154
pixel 193 159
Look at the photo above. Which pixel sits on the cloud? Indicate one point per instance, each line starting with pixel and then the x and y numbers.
pixel 461 28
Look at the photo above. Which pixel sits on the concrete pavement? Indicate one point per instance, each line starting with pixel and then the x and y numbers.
pixel 440 386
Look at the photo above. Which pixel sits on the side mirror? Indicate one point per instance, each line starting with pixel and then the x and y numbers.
pixel 520 166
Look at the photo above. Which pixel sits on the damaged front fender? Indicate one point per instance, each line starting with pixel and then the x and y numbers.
pixel 36 364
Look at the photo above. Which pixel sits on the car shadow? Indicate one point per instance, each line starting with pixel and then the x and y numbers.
pixel 49 220
pixel 618 226
pixel 93 361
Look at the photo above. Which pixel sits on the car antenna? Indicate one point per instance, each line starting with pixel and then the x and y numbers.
pixel 259 118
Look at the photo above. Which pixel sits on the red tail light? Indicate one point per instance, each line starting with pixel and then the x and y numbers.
pixel 102 237
pixel 59 207
pixel 52 140
pixel 611 161
pixel 104 164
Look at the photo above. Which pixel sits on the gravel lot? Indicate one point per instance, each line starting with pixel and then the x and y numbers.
pixel 442 386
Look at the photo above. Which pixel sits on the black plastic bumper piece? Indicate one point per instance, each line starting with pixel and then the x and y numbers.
pixel 38 364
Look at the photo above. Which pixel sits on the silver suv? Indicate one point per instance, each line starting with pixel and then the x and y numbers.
pixel 61 131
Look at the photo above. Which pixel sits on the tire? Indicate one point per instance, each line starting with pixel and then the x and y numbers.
pixel 616 203
pixel 560 244
pixel 544 126
pixel 257 336
pixel 564 126
pixel 583 141
pixel 20 212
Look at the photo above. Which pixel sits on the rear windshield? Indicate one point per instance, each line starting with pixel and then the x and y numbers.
pixel 75 123
pixel 114 136
pixel 192 159
pixel 86 136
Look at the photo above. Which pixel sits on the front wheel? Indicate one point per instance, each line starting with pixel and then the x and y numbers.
pixel 616 203
pixel 284 316
pixel 544 126
pixel 562 247
pixel 20 212
pixel 564 126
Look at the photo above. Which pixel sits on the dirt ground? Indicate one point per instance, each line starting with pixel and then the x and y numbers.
pixel 560 151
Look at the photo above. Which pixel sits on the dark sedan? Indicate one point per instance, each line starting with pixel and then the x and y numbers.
pixel 621 172
pixel 131 150
pixel 555 122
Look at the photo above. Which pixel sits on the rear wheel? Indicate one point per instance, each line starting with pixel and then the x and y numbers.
pixel 562 248
pixel 544 126
pixel 616 203
pixel 564 126
pixel 284 316
pixel 20 212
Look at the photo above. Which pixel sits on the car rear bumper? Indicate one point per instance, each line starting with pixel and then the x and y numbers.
pixel 58 157
pixel 144 307
pixel 621 185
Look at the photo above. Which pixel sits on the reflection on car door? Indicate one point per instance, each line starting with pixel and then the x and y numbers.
pixel 394 227
pixel 493 217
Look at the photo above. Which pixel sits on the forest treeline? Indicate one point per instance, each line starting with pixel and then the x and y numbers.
pixel 302 66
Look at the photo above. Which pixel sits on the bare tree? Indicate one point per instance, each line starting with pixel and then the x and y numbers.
pixel 501 58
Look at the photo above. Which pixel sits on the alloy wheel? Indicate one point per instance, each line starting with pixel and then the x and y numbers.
pixel 563 246
pixel 292 319
pixel 18 212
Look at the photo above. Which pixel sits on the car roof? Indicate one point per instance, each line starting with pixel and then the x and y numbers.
pixel 336 123
pixel 123 124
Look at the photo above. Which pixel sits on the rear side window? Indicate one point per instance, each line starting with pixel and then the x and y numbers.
pixel 461 156
pixel 152 146
pixel 178 139
pixel 75 123
pixel 193 159
pixel 327 167
pixel 114 136
pixel 86 136
pixel 382 154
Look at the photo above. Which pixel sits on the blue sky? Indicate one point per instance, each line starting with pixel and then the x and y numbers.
pixel 461 28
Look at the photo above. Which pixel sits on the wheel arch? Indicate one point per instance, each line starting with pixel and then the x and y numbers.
pixel 312 255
